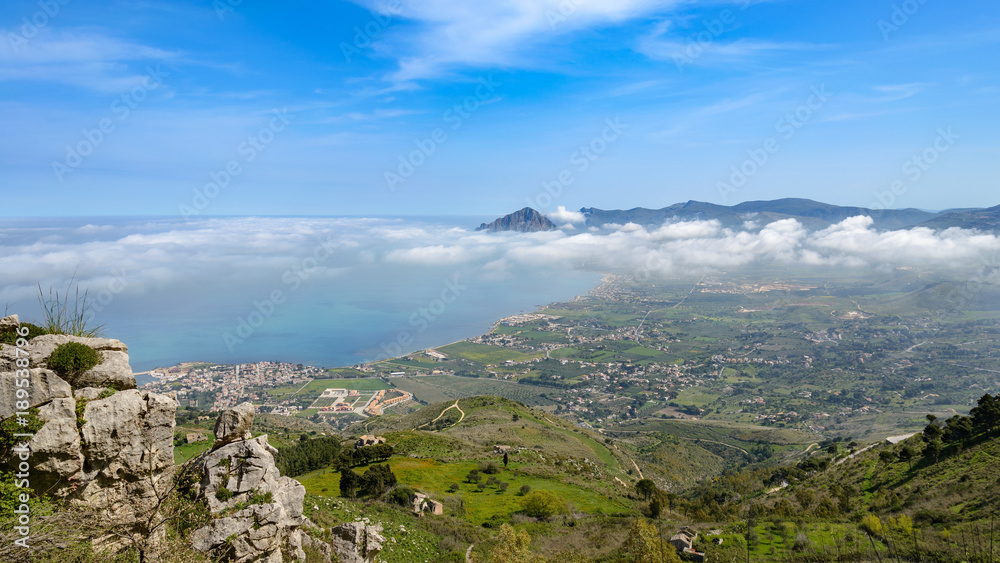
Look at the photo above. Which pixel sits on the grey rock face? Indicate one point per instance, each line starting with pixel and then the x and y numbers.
pixel 57 445
pixel 42 386
pixel 356 542
pixel 237 471
pixel 128 457
pixel 9 322
pixel 119 461
pixel 113 371
pixel 234 424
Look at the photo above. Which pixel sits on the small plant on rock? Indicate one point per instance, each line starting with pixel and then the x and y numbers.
pixel 73 358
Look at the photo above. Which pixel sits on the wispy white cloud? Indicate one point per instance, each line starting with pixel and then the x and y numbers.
pixel 451 35
pixel 84 59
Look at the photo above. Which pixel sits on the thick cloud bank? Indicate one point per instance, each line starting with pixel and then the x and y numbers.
pixel 210 254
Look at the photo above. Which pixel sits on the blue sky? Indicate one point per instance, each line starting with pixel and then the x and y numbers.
pixel 441 107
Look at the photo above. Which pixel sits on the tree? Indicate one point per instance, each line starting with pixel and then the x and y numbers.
pixel 348 483
pixel 505 459
pixel 377 480
pixel 542 504
pixel 655 507
pixel 958 428
pixel 907 454
pixel 512 546
pixel 987 414
pixel 646 488
pixel 474 476
pixel 525 489
pixel 643 544
pixel 832 449
pixel 933 449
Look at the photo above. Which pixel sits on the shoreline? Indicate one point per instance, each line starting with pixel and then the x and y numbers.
pixel 605 279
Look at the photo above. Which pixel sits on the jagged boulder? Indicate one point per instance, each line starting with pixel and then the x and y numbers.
pixel 114 370
pixel 258 511
pixel 234 424
pixel 357 542
pixel 9 322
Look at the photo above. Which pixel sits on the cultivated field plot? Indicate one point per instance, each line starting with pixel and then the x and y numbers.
pixel 315 387
pixel 436 388
pixel 484 353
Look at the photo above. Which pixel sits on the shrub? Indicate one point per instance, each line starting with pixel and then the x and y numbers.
pixel 10 336
pixel 401 495
pixel 525 489
pixel 490 468
pixel 73 358
pixel 542 504
pixel 223 494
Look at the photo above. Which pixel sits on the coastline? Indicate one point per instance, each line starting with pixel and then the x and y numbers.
pixel 605 279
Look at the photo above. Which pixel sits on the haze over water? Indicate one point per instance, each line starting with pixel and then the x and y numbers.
pixel 173 290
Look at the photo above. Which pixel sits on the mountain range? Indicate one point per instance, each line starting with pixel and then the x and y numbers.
pixel 812 214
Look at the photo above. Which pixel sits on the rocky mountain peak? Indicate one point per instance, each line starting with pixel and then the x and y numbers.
pixel 526 220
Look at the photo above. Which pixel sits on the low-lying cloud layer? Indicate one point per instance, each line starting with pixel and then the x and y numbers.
pixel 214 253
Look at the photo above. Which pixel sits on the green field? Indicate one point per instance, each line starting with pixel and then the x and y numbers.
pixel 438 388
pixel 434 478
pixel 185 452
pixel 317 386
pixel 484 353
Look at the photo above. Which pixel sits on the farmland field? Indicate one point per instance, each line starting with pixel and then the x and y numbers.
pixel 434 478
pixel 437 388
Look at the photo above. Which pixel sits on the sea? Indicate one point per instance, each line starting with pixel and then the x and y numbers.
pixel 321 291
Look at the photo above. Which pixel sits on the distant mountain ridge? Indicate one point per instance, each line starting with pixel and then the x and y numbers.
pixel 812 214
pixel 526 220
pixel 982 219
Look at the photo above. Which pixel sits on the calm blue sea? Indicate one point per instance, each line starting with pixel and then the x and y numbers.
pixel 320 291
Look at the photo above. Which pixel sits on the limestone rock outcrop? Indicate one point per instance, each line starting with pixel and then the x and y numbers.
pixel 257 511
pixel 114 370
pixel 234 424
pixel 357 542
pixel 117 458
